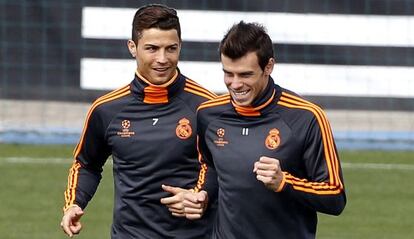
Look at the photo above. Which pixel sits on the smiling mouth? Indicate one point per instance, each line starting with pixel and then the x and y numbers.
pixel 161 69
pixel 241 93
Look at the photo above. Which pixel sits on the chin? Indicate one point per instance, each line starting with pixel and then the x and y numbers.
pixel 160 81
pixel 242 103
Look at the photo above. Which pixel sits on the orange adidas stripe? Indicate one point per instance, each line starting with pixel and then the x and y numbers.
pixel 329 151
pixel 321 188
pixel 195 86
pixel 333 154
pixel 211 104
pixel 197 93
pixel 332 173
pixel 324 137
pixel 104 97
pixel 197 89
pixel 220 100
pixel 111 96
pixel 323 125
pixel 326 131
pixel 307 184
pixel 72 180
pixel 73 174
pixel 203 170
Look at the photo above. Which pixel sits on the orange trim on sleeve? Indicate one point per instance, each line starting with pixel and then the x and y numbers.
pixel 328 133
pixel 335 184
pixel 70 192
pixel 282 184
pixel 203 170
pixel 322 188
pixel 72 183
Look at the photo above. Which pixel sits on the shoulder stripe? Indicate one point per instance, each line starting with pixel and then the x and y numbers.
pixel 218 98
pixel 212 103
pixel 70 192
pixel 112 93
pixel 195 86
pixel 197 93
pixel 331 157
pixel 106 98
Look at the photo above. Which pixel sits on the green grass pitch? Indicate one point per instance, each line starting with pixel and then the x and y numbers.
pixel 33 178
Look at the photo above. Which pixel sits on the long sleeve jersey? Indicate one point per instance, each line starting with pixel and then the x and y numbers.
pixel 281 125
pixel 150 131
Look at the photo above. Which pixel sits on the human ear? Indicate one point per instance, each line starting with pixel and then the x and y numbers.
pixel 132 48
pixel 269 67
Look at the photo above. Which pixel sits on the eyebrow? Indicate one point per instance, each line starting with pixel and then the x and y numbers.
pixel 239 73
pixel 155 45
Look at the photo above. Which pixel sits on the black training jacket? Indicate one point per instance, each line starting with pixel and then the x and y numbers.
pixel 150 131
pixel 282 125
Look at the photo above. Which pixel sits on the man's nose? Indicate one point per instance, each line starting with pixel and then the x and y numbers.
pixel 236 83
pixel 162 56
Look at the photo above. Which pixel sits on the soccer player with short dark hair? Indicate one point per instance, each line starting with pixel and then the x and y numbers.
pixel 149 128
pixel 270 151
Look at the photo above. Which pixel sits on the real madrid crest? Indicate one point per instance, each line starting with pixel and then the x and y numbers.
pixel 183 129
pixel 273 139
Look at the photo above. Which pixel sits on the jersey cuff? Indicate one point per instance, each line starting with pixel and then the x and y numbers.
pixel 66 208
pixel 282 183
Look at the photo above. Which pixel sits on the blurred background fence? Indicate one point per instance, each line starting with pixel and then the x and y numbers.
pixel 355 58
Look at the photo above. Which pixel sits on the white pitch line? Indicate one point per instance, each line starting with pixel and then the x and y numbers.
pixel 378 166
pixel 28 160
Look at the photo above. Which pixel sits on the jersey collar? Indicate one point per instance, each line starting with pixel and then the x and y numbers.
pixel 261 104
pixel 156 94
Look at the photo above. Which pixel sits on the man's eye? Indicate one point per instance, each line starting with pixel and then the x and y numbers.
pixel 172 49
pixel 245 75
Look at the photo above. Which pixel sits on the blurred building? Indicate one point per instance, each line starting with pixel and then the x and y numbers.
pixel 355 58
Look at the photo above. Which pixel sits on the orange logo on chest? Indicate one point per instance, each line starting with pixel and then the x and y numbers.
pixel 221 141
pixel 273 139
pixel 126 132
pixel 183 130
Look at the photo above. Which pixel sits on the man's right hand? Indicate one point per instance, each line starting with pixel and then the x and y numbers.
pixel 70 221
pixel 195 204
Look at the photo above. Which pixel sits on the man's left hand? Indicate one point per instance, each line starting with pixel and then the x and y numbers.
pixel 269 172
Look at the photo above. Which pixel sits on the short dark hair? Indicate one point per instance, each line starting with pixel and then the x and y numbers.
pixel 243 38
pixel 154 16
